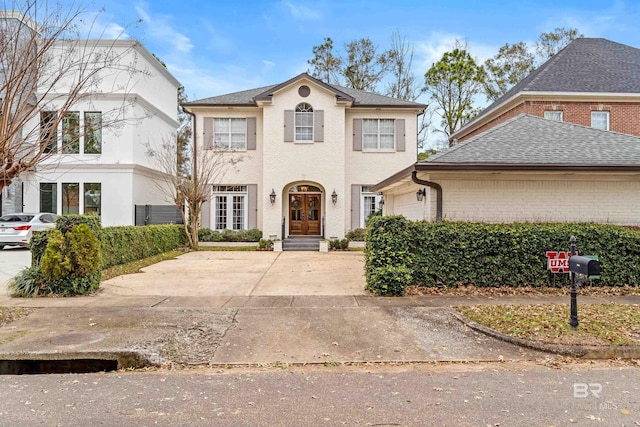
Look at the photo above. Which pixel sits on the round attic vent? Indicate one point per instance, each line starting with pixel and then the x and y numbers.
pixel 304 91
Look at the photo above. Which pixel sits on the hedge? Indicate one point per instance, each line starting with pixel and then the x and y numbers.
pixel 208 235
pixel 491 255
pixel 130 243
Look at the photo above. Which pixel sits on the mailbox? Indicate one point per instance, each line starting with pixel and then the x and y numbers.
pixel 583 265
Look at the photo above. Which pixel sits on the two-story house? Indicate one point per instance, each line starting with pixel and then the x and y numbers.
pixel 101 163
pixel 309 153
pixel 562 145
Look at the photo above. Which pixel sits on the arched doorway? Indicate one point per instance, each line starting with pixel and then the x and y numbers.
pixel 305 210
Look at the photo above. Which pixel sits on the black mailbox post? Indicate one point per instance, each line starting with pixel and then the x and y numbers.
pixel 579 265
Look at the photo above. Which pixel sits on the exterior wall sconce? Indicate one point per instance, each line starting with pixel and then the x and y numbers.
pixel 334 197
pixel 381 203
pixel 272 196
pixel 420 194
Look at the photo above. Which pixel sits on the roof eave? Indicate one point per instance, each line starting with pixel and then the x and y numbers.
pixel 537 167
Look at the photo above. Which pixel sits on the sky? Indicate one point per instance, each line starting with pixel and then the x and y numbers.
pixel 215 47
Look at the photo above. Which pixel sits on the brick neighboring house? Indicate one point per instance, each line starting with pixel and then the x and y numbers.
pixel 310 153
pixel 562 145
pixel 591 82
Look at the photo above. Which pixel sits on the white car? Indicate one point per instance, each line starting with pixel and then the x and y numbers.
pixel 16 229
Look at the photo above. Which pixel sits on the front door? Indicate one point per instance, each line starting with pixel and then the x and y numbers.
pixel 304 214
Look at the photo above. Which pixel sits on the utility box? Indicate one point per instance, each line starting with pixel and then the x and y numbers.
pixel 584 265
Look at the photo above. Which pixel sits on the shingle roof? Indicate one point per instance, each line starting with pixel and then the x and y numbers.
pixel 528 140
pixel 586 65
pixel 360 98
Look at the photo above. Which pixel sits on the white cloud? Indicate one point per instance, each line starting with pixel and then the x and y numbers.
pixel 159 27
pixel 303 13
pixel 430 51
pixel 93 25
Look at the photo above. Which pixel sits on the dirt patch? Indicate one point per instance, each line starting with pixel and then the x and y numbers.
pixel 10 314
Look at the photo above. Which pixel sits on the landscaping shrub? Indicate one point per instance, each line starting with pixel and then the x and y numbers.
pixel 356 235
pixel 265 245
pixel 65 223
pixel 124 244
pixel 487 255
pixel 26 283
pixel 339 245
pixel 389 280
pixel 207 235
pixel 38 244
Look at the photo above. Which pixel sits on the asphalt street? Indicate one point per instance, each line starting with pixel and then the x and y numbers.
pixel 408 395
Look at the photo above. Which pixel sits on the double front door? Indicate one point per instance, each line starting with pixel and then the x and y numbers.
pixel 304 214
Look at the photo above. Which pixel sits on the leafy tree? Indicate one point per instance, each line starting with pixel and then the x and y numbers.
pixel 326 65
pixel 404 84
pixel 46 67
pixel 364 67
pixel 550 43
pixel 183 136
pixel 453 82
pixel 512 63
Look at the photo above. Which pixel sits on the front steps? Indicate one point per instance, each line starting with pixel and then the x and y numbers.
pixel 301 243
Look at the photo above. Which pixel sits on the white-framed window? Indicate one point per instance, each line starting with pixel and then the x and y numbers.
pixel 600 120
pixel 378 134
pixel 230 134
pixel 553 115
pixel 230 207
pixel 70 198
pixel 73 140
pixel 304 122
pixel 369 204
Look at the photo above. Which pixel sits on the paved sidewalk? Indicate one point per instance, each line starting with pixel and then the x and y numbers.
pixel 226 308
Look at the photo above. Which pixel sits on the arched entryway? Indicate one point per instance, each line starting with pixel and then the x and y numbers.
pixel 305 210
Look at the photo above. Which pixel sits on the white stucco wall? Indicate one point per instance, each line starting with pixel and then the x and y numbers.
pixel 602 198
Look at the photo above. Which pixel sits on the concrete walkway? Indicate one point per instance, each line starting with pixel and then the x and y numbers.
pixel 256 308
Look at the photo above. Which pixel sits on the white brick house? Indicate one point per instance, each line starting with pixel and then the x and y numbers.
pixel 310 153
pixel 107 170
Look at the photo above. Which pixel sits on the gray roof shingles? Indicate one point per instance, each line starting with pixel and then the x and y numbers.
pixel 586 65
pixel 531 140
pixel 362 98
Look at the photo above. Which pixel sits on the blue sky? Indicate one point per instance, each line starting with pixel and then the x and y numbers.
pixel 218 46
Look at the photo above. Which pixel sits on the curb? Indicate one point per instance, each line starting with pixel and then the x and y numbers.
pixel 578 351
pixel 124 359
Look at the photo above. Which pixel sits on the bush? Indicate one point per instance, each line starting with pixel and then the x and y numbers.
pixel 207 235
pixel 26 283
pixel 356 235
pixel 389 280
pixel 38 244
pixel 265 245
pixel 55 263
pixel 124 244
pixel 490 255
pixel 339 245
pixel 65 223
pixel 72 285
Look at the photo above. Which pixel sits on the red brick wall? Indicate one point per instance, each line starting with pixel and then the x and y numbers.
pixel 624 117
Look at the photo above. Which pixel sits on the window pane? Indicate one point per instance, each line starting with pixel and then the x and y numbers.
pixel 238 141
pixel 93 198
pixel 48 197
pixel 48 131
pixel 386 126
pixel 304 119
pixel 70 198
pixel 221 125
pixel 71 133
pixel 238 125
pixel 370 142
pixel 92 132
pixel 221 212
pixel 386 141
pixel 238 212
pixel 369 126
pixel 222 140
pixel 553 115
pixel 600 120
pixel 304 134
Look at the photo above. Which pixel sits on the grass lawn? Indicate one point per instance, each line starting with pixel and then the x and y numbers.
pixel 600 324
pixel 135 266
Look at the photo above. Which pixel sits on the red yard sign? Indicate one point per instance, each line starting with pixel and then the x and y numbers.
pixel 558 261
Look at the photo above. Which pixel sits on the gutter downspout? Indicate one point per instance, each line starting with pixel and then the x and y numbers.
pixel 435 186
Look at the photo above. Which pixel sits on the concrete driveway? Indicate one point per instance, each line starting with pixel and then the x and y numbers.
pixel 12 260
pixel 210 273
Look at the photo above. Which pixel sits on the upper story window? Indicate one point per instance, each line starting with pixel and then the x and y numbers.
pixel 230 134
pixel 304 122
pixel 378 134
pixel 600 120
pixel 73 141
pixel 553 115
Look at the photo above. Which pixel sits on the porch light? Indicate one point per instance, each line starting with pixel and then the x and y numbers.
pixel 334 197
pixel 381 203
pixel 272 196
pixel 420 194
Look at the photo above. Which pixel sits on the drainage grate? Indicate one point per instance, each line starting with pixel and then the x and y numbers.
pixel 72 366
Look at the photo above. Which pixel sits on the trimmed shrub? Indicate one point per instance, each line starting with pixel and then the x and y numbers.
pixel 207 235
pixel 38 244
pixel 65 223
pixel 265 245
pixel 356 235
pixel 389 280
pixel 339 245
pixel 491 255
pixel 55 263
pixel 124 244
